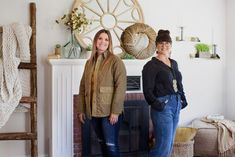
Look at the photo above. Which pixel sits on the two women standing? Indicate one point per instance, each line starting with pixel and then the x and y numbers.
pixel 102 93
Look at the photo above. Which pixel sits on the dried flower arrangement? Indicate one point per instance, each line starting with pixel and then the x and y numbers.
pixel 74 20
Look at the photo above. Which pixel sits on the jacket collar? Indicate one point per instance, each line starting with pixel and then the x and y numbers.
pixel 104 55
pixel 157 61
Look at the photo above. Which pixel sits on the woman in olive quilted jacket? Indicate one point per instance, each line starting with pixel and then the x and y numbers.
pixel 102 93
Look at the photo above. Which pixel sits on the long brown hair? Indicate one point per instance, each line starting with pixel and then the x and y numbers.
pixel 94 51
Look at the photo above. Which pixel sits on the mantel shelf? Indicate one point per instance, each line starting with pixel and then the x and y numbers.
pixel 205 58
pixel 83 61
pixel 192 56
pixel 67 61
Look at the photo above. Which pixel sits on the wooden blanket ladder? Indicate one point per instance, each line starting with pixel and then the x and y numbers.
pixel 32 99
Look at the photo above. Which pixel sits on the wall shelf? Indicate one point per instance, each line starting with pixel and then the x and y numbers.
pixel 212 57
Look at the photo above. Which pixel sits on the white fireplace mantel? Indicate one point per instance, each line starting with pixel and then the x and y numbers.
pixel 65 80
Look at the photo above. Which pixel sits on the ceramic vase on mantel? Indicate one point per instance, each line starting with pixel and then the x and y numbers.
pixel 72 49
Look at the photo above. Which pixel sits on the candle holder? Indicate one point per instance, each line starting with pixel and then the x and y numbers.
pixel 214 54
pixel 181 38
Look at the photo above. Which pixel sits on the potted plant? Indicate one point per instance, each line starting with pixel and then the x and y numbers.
pixel 89 47
pixel 203 50
pixel 88 51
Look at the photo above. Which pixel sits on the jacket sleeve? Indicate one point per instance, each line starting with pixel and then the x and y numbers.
pixel 119 74
pixel 148 78
pixel 180 87
pixel 81 96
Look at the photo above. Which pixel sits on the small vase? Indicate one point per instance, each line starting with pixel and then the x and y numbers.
pixel 72 49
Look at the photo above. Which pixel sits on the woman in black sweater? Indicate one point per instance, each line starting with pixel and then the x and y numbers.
pixel 163 90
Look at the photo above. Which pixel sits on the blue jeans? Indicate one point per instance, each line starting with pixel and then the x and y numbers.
pixel 107 135
pixel 164 124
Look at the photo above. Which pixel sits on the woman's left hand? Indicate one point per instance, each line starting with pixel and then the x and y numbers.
pixel 113 118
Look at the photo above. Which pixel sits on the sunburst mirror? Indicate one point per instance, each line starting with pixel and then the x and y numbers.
pixel 114 15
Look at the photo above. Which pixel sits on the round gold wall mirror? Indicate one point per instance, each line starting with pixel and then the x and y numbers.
pixel 114 15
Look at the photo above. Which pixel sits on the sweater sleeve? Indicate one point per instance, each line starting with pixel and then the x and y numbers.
pixel 180 87
pixel 148 78
pixel 81 96
pixel 119 86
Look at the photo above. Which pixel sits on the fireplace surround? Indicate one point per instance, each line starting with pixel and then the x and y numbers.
pixel 65 79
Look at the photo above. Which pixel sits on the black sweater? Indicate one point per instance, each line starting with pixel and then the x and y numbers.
pixel 158 81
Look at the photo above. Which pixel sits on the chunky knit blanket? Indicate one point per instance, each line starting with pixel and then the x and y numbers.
pixel 15 48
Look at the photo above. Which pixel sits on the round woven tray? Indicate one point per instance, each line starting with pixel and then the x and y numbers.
pixel 139 40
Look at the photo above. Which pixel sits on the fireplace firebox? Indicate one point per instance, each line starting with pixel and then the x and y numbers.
pixel 133 135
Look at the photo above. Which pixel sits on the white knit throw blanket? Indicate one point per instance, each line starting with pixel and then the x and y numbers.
pixel 15 47
pixel 226 136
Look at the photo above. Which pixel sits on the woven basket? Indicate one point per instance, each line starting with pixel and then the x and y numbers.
pixel 139 40
pixel 183 149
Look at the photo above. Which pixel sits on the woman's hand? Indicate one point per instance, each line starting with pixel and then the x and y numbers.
pixel 82 118
pixel 113 118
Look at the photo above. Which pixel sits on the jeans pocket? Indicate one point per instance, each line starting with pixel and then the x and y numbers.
pixel 162 102
pixel 159 106
pixel 163 99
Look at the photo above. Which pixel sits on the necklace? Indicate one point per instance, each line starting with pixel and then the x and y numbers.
pixel 174 81
pixel 175 85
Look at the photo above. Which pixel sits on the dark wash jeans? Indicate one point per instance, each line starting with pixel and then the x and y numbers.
pixel 164 124
pixel 107 135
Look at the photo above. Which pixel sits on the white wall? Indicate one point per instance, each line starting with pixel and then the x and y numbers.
pixel 204 80
pixel 230 60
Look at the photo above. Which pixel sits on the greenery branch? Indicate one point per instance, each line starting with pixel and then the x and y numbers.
pixel 201 47
pixel 74 21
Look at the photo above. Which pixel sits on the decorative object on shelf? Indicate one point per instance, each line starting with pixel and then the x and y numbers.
pixel 203 50
pixel 58 49
pixel 75 22
pixel 127 56
pixel 89 47
pixel 87 52
pixel 72 49
pixel 194 39
pixel 53 56
pixel 214 54
pixel 112 15
pixel 181 38
pixel 57 54
pixel 139 40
